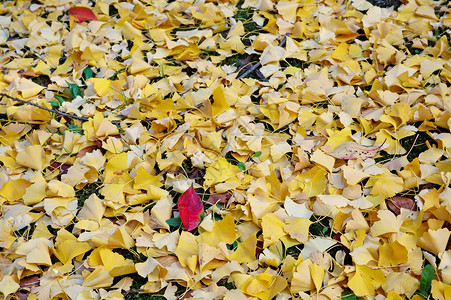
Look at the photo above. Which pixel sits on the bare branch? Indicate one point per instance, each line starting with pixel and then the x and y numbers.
pixel 254 67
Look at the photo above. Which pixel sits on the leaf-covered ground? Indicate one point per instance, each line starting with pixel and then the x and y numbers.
pixel 316 134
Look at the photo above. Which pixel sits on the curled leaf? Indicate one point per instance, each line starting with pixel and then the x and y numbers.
pixel 82 14
pixel 352 150
pixel 190 208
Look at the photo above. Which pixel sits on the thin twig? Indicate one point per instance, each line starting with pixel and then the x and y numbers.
pixel 195 107
pixel 252 69
pixel 281 44
pixel 71 115
pixel 45 108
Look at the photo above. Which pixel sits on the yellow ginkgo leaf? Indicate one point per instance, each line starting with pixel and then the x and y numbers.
pixel 220 104
pixel 28 88
pixel 223 231
pixel 272 229
pixel 187 250
pixel 401 283
pixel 435 241
pixel 115 263
pixel 8 286
pixel 388 223
pixel 69 249
pixel 245 251
pixel 32 157
pixel 99 278
pixel 365 281
pixel 302 280
pixel 317 273
pixel 35 193
pixel 264 286
pixel 392 254
pixel 387 185
pixel 219 172
pixel 297 228
pixel 323 159
pixel 102 86
pixel 14 189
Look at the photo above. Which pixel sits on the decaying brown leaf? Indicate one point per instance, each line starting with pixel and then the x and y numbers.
pixel 396 203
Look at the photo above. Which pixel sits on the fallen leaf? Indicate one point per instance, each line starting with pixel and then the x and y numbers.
pixel 396 203
pixel 8 286
pixel 366 280
pixel 352 150
pixel 82 14
pixel 190 207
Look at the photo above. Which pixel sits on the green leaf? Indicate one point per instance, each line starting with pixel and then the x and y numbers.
pixel 256 154
pixel 348 295
pixel 60 99
pixel 242 166
pixel 54 104
pixel 74 91
pixel 88 73
pixel 427 275
pixel 174 222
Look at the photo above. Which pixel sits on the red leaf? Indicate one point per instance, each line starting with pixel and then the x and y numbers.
pixel 190 207
pixel 82 14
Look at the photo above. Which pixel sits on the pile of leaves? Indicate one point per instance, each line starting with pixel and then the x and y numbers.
pixel 310 141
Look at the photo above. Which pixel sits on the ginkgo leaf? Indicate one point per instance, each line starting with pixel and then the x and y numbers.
pixel 8 286
pixel 82 14
pixel 352 150
pixel 190 207
pixel 366 280
pixel 245 251
pixel 276 110
pixel 222 231
pixel 264 286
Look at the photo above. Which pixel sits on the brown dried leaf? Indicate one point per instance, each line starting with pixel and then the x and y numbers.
pixel 87 150
pixel 218 198
pixel 396 203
